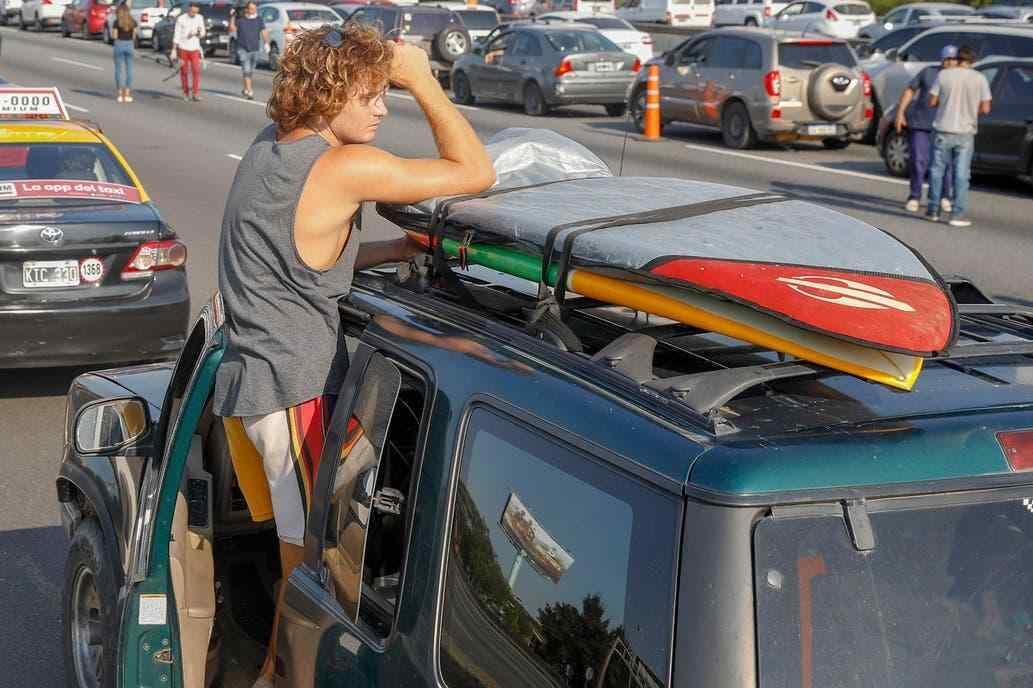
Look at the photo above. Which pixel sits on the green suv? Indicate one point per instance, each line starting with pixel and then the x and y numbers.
pixel 633 503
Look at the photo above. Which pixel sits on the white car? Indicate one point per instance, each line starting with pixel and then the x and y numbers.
pixel 697 13
pixel 42 14
pixel 146 13
pixel 284 20
pixel 479 20
pixel 9 9
pixel 745 12
pixel 836 18
pixel 541 7
pixel 904 15
pixel 627 37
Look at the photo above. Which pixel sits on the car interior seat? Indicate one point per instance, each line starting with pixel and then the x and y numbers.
pixel 43 162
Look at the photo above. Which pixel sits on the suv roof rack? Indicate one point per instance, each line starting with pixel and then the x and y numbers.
pixel 632 353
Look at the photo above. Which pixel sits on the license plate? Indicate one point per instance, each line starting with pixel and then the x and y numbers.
pixel 603 67
pixel 821 129
pixel 50 273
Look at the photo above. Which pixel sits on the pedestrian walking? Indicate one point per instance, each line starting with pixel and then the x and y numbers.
pixel 960 96
pixel 186 43
pixel 125 33
pixel 290 244
pixel 914 112
pixel 252 37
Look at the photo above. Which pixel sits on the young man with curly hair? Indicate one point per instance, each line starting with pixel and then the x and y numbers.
pixel 291 241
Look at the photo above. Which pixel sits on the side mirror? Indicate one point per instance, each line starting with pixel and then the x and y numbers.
pixel 893 54
pixel 108 425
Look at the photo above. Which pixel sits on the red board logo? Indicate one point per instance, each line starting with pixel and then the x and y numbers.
pixel 845 292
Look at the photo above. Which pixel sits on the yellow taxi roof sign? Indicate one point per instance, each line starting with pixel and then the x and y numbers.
pixel 31 103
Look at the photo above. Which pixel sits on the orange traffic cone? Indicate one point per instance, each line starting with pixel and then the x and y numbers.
pixel 652 123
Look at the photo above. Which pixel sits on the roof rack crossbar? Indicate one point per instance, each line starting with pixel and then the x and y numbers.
pixel 988 350
pixel 709 391
pixel 994 309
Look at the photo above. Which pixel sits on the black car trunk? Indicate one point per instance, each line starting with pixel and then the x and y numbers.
pixel 71 252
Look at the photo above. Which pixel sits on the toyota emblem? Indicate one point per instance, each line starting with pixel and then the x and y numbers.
pixel 51 235
pixel 840 82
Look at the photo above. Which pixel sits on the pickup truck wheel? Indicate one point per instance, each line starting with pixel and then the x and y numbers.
pixel 451 44
pixel 90 631
pixel 736 129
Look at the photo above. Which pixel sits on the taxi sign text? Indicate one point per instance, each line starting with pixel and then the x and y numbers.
pixel 31 103
pixel 65 188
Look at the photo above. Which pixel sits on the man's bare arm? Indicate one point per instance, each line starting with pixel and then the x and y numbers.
pixel 372 253
pixel 984 107
pixel 905 100
pixel 371 174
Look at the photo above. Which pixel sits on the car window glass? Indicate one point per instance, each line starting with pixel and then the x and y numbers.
pixel 528 45
pixel 809 55
pixel 894 39
pixel 753 58
pixel 1016 88
pixel 501 43
pixel 366 528
pixel 697 52
pixel 895 16
pixel 918 14
pixel 794 9
pixel 607 23
pixel 388 19
pixel 927 48
pixel 478 19
pixel 82 161
pixel 728 53
pixel 559 568
pixel 271 14
pixel 813 8
pixel 313 15
pixel 425 23
pixel 586 41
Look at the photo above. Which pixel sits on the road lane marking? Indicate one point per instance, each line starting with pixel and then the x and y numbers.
pixel 237 99
pixel 78 64
pixel 801 165
pixel 75 107
pixel 406 96
pixel 234 156
pixel 223 64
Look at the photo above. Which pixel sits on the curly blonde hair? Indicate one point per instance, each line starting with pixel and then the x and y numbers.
pixel 316 80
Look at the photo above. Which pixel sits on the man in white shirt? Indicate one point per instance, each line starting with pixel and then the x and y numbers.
pixel 186 42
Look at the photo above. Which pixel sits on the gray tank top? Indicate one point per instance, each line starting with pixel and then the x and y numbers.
pixel 284 344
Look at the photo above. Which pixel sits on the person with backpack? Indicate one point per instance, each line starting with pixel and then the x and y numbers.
pixel 125 32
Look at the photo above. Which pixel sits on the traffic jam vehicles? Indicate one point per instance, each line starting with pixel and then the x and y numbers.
pixel 89 271
pixel 510 497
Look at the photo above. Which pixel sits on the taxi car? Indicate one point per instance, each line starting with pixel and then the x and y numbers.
pixel 628 502
pixel 89 271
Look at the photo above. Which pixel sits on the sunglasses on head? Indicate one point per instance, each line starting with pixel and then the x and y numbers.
pixel 333 39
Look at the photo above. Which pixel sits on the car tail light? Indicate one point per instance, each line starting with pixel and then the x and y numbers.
pixel 831 15
pixel 867 81
pixel 1018 448
pixel 563 67
pixel 637 66
pixel 869 113
pixel 776 113
pixel 773 84
pixel 153 256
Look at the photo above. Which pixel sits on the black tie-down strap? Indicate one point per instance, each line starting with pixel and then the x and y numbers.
pixel 575 229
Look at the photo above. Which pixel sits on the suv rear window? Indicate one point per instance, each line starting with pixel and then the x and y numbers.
pixel 478 19
pixel 944 599
pixel 606 23
pixel 425 23
pixel 806 55
pixel 580 42
pixel 560 568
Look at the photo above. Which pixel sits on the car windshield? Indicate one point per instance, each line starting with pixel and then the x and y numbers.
pixel 853 9
pixel 895 39
pixel 809 54
pixel 217 12
pixel 312 15
pixel 144 4
pixel 607 23
pixel 478 19
pixel 33 171
pixel 944 597
pixel 580 42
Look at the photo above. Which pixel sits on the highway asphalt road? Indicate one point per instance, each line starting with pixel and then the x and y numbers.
pixel 186 154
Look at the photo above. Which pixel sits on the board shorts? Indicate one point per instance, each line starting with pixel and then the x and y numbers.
pixel 276 458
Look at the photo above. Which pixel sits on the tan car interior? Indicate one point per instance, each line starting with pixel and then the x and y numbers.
pixel 225 566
